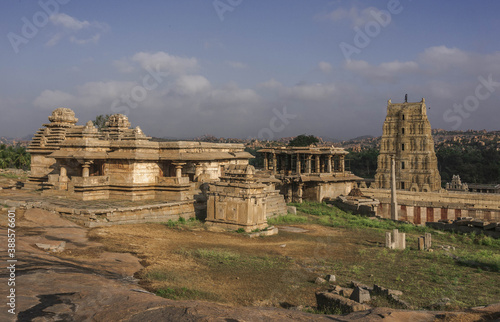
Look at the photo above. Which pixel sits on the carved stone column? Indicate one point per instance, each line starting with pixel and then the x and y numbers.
pixel 316 158
pixel 86 170
pixel 63 172
pixel 178 168
pixel 289 195
pixel 298 164
pixel 300 192
pixel 197 171
pixel 266 162
pixel 329 164
pixel 308 164
pixel 275 163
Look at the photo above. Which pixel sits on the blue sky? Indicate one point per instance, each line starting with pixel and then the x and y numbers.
pixel 240 68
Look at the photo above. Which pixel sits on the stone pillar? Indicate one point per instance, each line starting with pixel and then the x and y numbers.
pixel 342 163
pixel 329 164
pixel 298 164
pixel 197 171
pixel 266 162
pixel 289 195
pixel 308 164
pixel 300 192
pixel 428 241
pixel 316 158
pixel 394 202
pixel 275 163
pixel 86 170
pixel 178 169
pixel 63 172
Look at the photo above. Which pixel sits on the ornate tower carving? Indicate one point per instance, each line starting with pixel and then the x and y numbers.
pixel 407 136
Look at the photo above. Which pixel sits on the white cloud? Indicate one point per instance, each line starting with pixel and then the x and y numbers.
pixel 388 71
pixel 80 32
pixel 231 95
pixel 66 21
pixel 124 65
pixel 357 17
pixel 52 99
pixel 236 64
pixel 325 67
pixel 166 62
pixel 91 95
pixel 312 92
pixel 442 57
pixel 270 84
pixel 191 85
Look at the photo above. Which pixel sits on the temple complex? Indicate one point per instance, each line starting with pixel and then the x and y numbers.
pixel 121 162
pixel 407 136
pixel 311 173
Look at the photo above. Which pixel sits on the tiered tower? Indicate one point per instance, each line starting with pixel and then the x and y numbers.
pixel 407 136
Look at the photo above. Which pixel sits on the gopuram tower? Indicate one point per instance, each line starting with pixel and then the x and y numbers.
pixel 407 136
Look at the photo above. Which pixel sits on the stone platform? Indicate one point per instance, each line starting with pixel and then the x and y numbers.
pixel 103 213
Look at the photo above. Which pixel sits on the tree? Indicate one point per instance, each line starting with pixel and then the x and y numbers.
pixel 100 121
pixel 303 140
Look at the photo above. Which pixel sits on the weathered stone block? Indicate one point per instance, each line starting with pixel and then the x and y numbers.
pixel 331 278
pixel 333 302
pixel 360 295
pixel 319 280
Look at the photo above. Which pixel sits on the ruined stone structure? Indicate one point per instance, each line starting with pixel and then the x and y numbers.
pixel 311 173
pixel 120 162
pixel 238 200
pixel 456 184
pixel 407 136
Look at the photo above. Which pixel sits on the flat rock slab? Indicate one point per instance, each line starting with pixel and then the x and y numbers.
pixel 291 229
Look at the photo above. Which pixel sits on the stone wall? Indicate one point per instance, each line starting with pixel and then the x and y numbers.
pixel 422 207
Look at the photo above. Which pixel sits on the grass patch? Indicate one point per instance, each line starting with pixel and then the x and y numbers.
pixel 182 223
pixel 287 219
pixel 183 293
pixel 222 257
pixel 10 175
pixel 335 217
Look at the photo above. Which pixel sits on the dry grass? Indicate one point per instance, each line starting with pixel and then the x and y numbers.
pixel 188 262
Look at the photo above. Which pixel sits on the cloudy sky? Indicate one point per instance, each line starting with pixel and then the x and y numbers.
pixel 241 68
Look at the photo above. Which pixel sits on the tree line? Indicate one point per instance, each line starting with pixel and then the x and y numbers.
pixel 14 157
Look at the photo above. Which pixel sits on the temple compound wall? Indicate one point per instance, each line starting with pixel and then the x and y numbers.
pixel 407 136
pixel 423 207
pixel 310 173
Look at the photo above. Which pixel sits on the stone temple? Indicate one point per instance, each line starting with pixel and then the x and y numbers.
pixel 407 136
pixel 118 162
pixel 310 173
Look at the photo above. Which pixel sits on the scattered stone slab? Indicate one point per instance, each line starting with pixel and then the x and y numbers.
pixel 269 232
pixel 291 229
pixel 331 278
pixel 360 295
pixel 355 284
pixel 319 280
pixel 346 292
pixel 58 248
pixel 332 302
pixel 291 210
